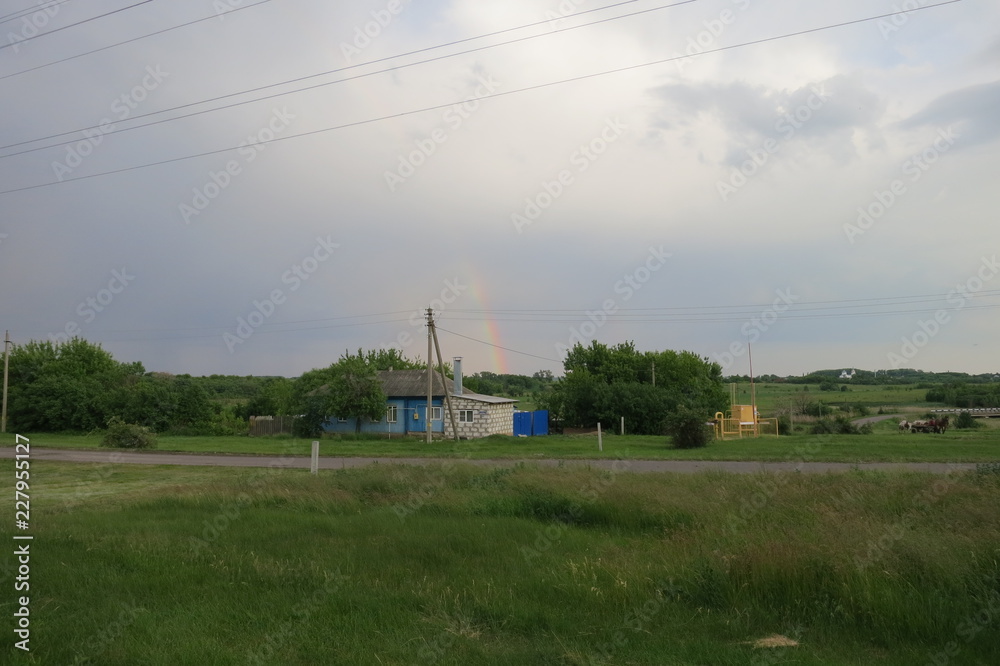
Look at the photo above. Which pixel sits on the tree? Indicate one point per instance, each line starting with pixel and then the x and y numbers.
pixel 74 385
pixel 348 388
pixel 389 359
pixel 605 383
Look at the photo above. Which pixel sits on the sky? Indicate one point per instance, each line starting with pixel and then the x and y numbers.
pixel 254 188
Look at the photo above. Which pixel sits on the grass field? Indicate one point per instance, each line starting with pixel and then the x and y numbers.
pixel 884 445
pixel 458 565
pixel 773 397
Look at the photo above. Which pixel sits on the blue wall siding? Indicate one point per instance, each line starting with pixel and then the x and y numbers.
pixel 405 423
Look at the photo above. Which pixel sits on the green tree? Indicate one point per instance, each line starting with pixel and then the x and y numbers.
pixel 389 359
pixel 348 388
pixel 605 383
pixel 74 385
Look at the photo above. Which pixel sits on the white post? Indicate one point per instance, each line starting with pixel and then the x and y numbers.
pixel 623 425
pixel 600 442
pixel 314 468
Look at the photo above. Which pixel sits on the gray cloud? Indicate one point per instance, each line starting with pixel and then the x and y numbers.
pixel 974 111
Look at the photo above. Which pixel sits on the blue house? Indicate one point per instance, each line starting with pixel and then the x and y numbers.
pixel 476 415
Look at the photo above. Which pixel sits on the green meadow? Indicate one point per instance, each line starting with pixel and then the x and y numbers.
pixel 885 444
pixel 453 564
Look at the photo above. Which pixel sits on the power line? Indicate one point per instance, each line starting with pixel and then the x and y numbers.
pixel 862 302
pixel 13 16
pixel 73 25
pixel 490 344
pixel 539 86
pixel 127 41
pixel 693 318
pixel 328 83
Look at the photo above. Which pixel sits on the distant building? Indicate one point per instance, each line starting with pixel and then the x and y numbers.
pixel 847 375
pixel 476 415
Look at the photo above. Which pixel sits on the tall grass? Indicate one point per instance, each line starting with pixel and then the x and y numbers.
pixel 460 565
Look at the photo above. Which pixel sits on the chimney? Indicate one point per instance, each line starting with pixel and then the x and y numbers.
pixel 458 376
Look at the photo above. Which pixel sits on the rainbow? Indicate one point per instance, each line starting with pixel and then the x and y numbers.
pixel 492 330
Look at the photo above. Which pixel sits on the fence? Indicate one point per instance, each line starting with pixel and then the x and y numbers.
pixel 261 426
pixel 530 424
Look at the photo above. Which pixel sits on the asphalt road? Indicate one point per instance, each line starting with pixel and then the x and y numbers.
pixel 301 462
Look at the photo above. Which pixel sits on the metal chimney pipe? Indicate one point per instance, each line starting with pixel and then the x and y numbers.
pixel 458 375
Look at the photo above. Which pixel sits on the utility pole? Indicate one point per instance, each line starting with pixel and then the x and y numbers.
pixel 444 382
pixel 753 392
pixel 654 373
pixel 430 375
pixel 6 362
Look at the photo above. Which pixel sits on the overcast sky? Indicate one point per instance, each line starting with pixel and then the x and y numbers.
pixel 828 196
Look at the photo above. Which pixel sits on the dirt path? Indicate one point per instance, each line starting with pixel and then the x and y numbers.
pixel 301 462
pixel 875 419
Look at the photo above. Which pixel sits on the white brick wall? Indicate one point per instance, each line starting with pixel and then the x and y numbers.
pixel 497 420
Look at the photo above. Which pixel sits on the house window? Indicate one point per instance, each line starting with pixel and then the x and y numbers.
pixel 436 413
pixel 465 415
pixel 390 414
pixel 341 419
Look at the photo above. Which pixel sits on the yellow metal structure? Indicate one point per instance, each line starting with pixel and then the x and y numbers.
pixel 740 421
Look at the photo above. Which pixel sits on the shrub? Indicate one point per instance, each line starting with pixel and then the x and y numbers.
pixel 840 425
pixel 966 422
pixel 121 435
pixel 784 425
pixel 687 428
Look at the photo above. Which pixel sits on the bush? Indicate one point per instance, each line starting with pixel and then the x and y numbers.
pixel 840 425
pixel 966 422
pixel 687 428
pixel 121 435
pixel 784 425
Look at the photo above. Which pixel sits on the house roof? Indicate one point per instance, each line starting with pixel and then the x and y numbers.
pixel 408 383
pixel 413 383
pixel 479 397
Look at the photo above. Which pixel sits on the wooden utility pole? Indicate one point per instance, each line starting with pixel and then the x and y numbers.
pixel 753 392
pixel 444 382
pixel 430 376
pixel 6 362
pixel 654 373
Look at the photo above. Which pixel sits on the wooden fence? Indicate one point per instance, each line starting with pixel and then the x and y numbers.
pixel 271 425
